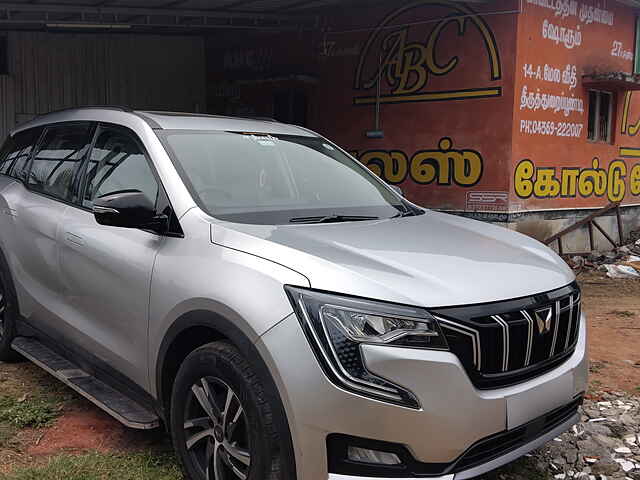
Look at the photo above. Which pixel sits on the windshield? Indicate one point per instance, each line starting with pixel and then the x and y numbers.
pixel 268 179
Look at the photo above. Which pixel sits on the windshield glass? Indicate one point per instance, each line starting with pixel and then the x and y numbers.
pixel 268 179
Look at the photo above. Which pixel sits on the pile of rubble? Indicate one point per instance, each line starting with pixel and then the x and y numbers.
pixel 605 445
pixel 623 262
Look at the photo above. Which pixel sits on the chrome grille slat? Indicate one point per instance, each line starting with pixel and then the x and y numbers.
pixel 470 332
pixel 555 329
pixel 508 342
pixel 566 343
pixel 505 341
pixel 527 358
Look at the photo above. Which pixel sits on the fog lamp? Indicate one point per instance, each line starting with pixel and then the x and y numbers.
pixel 365 455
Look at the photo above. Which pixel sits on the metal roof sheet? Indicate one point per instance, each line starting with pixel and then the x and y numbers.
pixel 175 14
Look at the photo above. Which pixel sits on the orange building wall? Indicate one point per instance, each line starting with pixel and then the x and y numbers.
pixel 553 160
pixel 458 134
pixel 447 98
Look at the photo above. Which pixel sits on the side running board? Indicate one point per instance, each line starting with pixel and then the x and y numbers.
pixel 119 406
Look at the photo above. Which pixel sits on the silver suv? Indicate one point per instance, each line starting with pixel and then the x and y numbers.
pixel 280 309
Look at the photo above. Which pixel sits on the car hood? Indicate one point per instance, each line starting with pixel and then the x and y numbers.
pixel 431 260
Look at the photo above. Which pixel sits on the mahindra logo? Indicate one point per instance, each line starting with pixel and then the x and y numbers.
pixel 543 318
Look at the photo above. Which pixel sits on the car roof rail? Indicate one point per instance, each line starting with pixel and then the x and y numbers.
pixel 119 108
pixel 211 115
pixel 251 117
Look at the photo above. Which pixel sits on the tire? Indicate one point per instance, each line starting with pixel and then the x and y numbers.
pixel 232 437
pixel 8 314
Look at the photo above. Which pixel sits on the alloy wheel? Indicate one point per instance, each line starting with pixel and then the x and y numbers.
pixel 217 431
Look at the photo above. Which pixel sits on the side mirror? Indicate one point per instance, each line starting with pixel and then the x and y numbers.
pixel 128 209
pixel 397 189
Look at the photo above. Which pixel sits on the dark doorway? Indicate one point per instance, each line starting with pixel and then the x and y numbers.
pixel 4 56
pixel 290 106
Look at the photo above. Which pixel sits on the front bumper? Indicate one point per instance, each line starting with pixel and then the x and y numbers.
pixel 454 414
pixel 489 465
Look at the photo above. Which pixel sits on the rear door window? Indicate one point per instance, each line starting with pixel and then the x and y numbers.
pixel 8 148
pixel 16 152
pixel 58 160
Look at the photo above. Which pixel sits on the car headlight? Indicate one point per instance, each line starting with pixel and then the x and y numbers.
pixel 337 326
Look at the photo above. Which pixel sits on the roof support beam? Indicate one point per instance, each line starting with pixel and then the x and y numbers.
pixel 135 11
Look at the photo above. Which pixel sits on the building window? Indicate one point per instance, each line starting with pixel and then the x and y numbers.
pixel 600 116
pixel 636 65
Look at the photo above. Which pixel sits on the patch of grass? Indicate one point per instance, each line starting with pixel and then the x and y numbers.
pixel 7 435
pixel 622 313
pixel 28 412
pixel 95 466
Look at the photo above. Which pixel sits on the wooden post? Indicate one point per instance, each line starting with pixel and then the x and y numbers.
pixel 590 222
pixel 606 235
pixel 620 229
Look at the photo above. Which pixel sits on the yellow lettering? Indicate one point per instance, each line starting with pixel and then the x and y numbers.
pixel 524 174
pixel 390 166
pixel 424 167
pixel 616 187
pixel 430 55
pixel 634 180
pixel 546 184
pixel 569 182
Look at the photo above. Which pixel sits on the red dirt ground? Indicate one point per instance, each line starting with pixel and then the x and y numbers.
pixel 613 309
pixel 88 428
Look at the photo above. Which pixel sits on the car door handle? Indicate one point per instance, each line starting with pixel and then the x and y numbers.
pixel 74 239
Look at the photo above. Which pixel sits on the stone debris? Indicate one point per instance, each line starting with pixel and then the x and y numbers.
pixel 605 445
pixel 622 262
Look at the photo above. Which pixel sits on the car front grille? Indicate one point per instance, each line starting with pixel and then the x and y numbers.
pixel 505 343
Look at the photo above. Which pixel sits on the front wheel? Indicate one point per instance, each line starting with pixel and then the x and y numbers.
pixel 221 423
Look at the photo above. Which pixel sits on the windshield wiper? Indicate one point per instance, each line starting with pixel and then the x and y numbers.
pixel 332 219
pixel 406 213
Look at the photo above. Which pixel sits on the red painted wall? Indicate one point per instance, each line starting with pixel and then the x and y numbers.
pixel 605 34
pixel 447 90
pixel 456 120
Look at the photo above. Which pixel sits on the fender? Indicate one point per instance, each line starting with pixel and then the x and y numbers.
pixel 4 265
pixel 227 329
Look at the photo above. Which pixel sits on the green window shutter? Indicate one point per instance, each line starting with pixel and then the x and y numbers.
pixel 636 66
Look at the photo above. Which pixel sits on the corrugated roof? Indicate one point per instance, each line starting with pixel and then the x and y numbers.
pixel 167 14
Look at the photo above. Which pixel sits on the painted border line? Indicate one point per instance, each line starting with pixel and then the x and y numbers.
pixel 432 96
pixel 630 152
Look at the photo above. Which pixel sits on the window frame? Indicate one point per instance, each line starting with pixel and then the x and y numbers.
pixel 100 128
pixel 92 131
pixel 36 144
pixel 162 200
pixel 636 59
pixel 611 117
